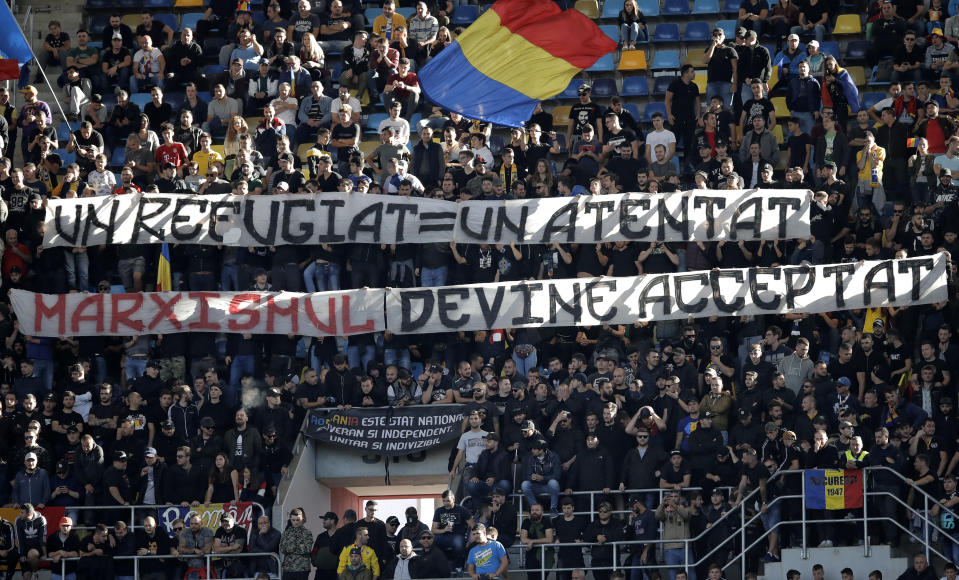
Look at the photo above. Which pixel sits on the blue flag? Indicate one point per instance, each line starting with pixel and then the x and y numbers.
pixel 13 45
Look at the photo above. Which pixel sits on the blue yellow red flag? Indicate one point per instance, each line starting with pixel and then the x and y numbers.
pixel 514 55
pixel 833 489
pixel 13 45
pixel 164 274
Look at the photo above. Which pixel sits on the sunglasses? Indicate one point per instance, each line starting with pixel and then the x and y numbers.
pixel 178 529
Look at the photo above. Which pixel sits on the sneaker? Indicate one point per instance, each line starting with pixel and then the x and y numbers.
pixel 825 544
pixel 770 557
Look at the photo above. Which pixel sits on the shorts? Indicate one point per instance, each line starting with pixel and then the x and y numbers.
pixel 773 515
pixel 129 266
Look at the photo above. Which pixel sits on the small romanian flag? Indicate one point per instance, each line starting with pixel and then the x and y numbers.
pixel 833 489
pixel 164 275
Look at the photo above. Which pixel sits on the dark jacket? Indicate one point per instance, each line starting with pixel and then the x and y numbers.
pixel 550 467
pixel 592 470
pixel 496 465
pixel 433 564
pixel 642 472
pixel 431 156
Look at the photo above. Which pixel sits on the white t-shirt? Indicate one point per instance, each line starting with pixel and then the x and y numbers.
pixel 402 128
pixel 289 115
pixel 472 444
pixel 654 138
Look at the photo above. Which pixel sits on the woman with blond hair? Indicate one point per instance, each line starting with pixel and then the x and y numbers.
pixel 632 26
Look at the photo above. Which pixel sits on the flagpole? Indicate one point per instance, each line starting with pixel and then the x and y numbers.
pixel 42 72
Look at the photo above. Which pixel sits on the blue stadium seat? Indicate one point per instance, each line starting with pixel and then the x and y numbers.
pixel 373 123
pixel 653 108
pixel 856 50
pixel 97 44
pixel 99 4
pixel 660 84
pixel 830 47
pixel 604 88
pixel 731 6
pixel 190 20
pixel 698 31
pixel 666 32
pixel 702 7
pixel 604 64
pixel 496 143
pixel 119 157
pixel 416 369
pixel 633 110
pixel 571 91
pixel 648 7
pixel 66 157
pixel 676 7
pixel 611 8
pixel 158 4
pixel 635 86
pixel 140 99
pixel 464 15
pixel 406 12
pixel 129 4
pixel 665 60
pixel 212 70
pixel 415 119
pixel 175 100
pixel 259 18
pixel 64 130
pixel 98 22
pixel 166 18
pixel 874 83
pixel 371 14
pixel 729 28
pixel 870 99
pixel 610 30
pixel 953 7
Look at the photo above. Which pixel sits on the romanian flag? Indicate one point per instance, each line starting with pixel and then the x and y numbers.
pixel 833 489
pixel 517 53
pixel 164 277
pixel 13 44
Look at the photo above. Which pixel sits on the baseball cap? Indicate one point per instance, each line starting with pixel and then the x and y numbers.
pixel 752 34
pixel 273 393
pixel 330 516
pixel 709 415
pixel 819 419
pixel 538 444
pixel 743 413
pixel 228 517
pixel 207 422
pixel 393 520
pixel 945 401
pixel 945 171
pixel 499 491
pixel 285 157
pixel 844 381
pixel 62 467
pixel 29 89
pixel 168 424
pixel 792 37
pixel 741 32
pixel 767 167
pixel 529 426
pixel 492 437
pixel 66 521
pixel 812 42
pixel 584 88
pixel 150 452
pixel 675 452
pixel 119 455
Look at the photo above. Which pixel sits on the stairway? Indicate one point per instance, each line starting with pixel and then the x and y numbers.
pixel 834 560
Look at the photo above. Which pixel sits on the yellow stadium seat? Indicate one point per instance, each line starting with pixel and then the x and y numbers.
pixel 252 122
pixel 561 116
pixel 778 132
pixel 696 57
pixel 858 75
pixel 782 111
pixel 848 24
pixel 132 20
pixel 774 77
pixel 302 149
pixel 367 147
pixel 188 3
pixel 588 7
pixel 306 172
pixel 218 149
pixel 632 60
pixel 700 81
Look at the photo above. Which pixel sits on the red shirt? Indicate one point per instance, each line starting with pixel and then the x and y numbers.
pixel 174 153
pixel 10 259
pixel 121 189
pixel 935 136
pixel 410 79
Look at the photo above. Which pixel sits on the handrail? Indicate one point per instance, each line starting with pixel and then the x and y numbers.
pixel 739 509
pixel 208 557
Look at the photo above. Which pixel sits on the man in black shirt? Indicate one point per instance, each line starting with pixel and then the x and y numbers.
pixel 583 113
pixel 682 110
pixel 721 69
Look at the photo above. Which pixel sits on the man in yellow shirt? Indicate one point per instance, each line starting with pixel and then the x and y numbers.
pixel 206 155
pixel 386 23
pixel 368 555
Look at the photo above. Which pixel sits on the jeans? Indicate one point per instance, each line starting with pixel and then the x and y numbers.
pixel 334 46
pixel 397 356
pixel 632 33
pixel 818 29
pixel 677 557
pixel 77 267
pixel 242 364
pixel 360 356
pixel 430 277
pixel 229 278
pixel 805 120
pixel 720 88
pixel 950 547
pixel 135 367
pixel 320 277
pixel 533 488
pixel 70 576
pixel 43 368
pixel 524 365
pixel 452 543
pixel 136 84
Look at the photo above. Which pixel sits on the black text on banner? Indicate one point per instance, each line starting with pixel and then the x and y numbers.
pixel 335 218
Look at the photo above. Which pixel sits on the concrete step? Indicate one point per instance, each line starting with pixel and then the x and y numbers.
pixel 833 560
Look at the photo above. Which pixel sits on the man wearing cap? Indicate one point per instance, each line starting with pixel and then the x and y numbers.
pixel 116 484
pixel 229 539
pixel 151 480
pixel 541 473
pixel 322 556
pixel 755 62
pixel 803 96
pixel 366 555
pixel 31 484
pixel 493 469
pixel 722 62
pixel 63 544
pixel 31 533
pixel 583 113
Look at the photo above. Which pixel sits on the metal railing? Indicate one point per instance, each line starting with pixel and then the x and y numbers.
pixel 737 543
pixel 207 557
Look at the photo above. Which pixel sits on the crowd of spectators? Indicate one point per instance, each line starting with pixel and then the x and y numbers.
pixel 696 413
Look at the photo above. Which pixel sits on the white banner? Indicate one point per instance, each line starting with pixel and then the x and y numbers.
pixel 572 302
pixel 320 314
pixel 335 218
pixel 730 292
